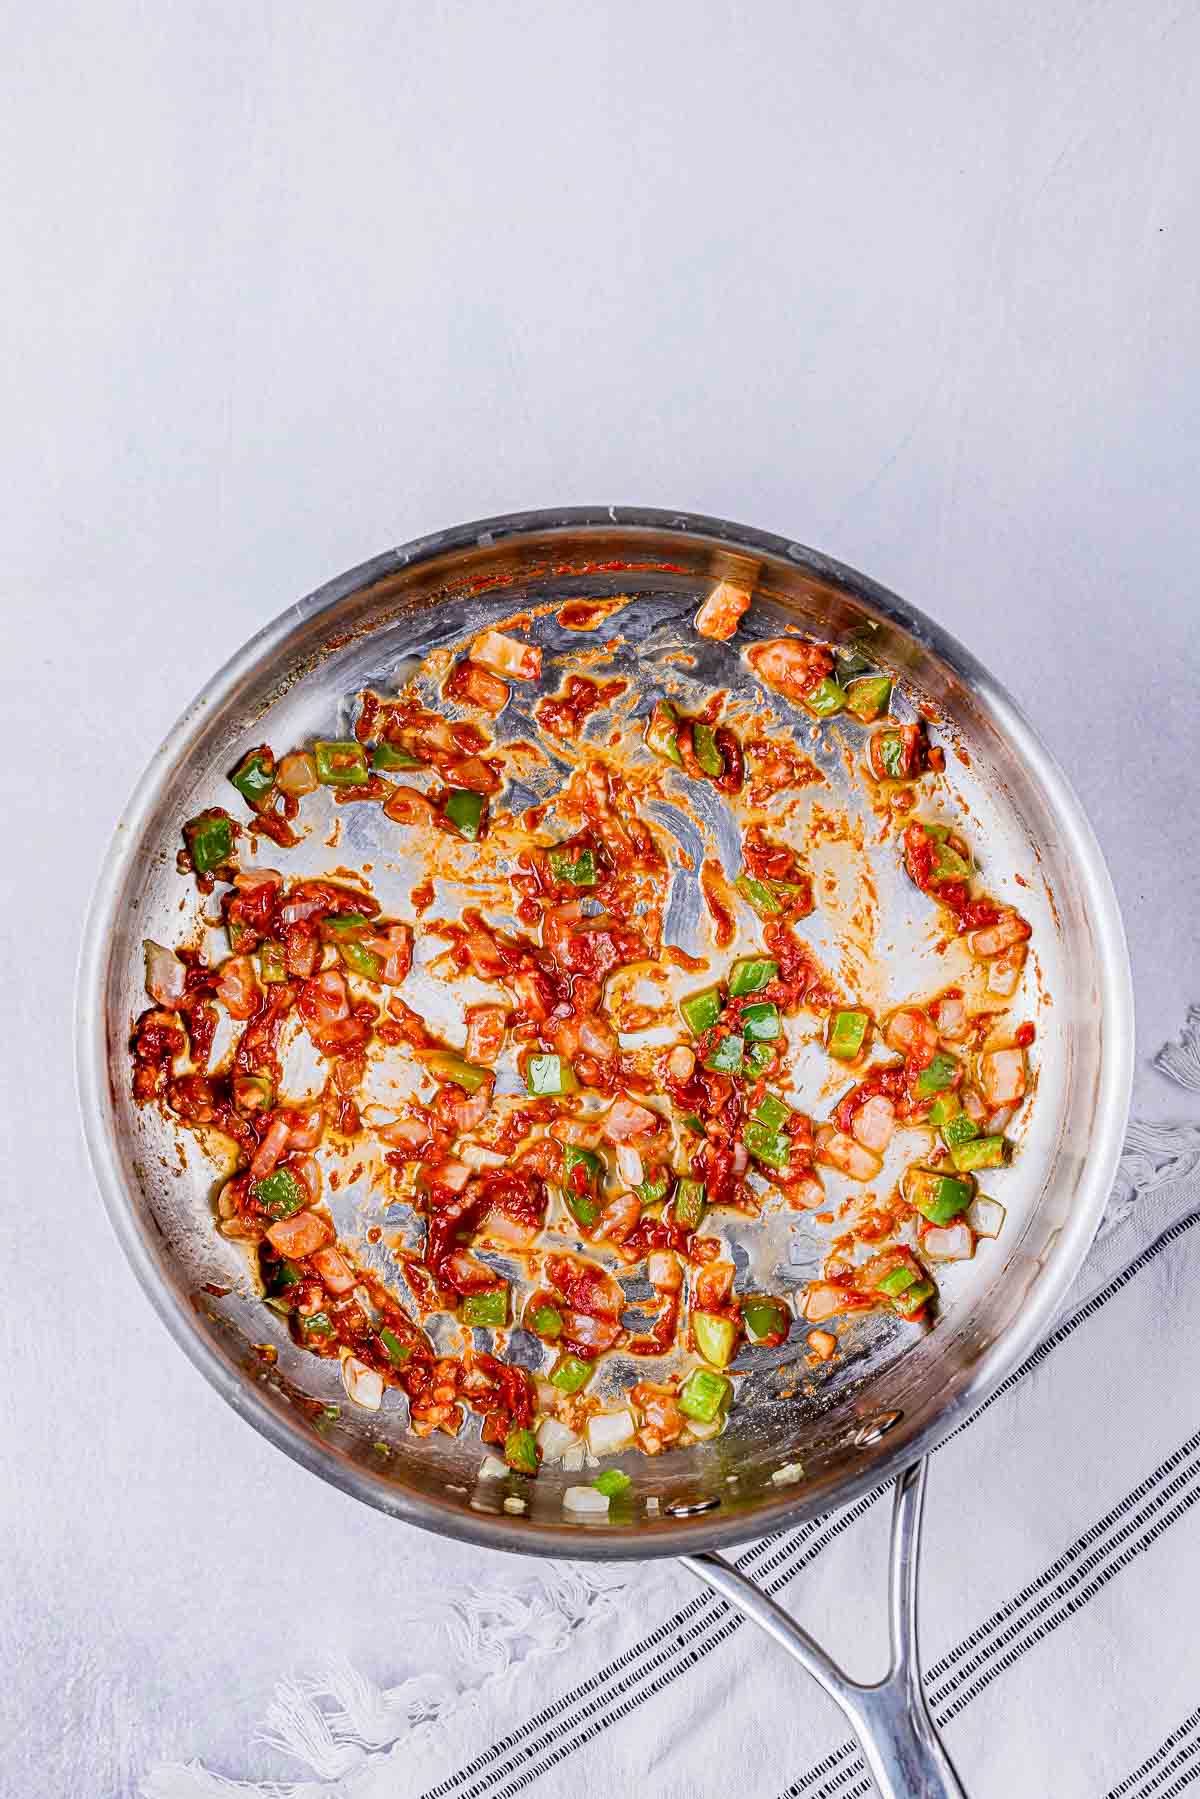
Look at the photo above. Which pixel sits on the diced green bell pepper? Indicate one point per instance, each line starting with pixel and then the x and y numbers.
pixel 980 1152
pixel 690 1122
pixel 850 663
pixel 280 1275
pixel 489 1308
pixel 759 1057
pixel 913 1298
pixel 771 1112
pixel 582 1169
pixel 341 764
pixel 707 754
pixel 847 1034
pixel 759 894
pixel 715 1337
pixel 398 1351
pixel 570 1374
pixel 946 1106
pixel 209 839
pixel 464 809
pixel 252 1092
pixel 705 1395
pixel 316 1324
pixel 938 1197
pixel 361 960
pixel 869 699
pixel 947 863
pixel 254 776
pixel 652 1191
pixel 547 1322
pixel 344 927
pixel 612 1483
pixel 444 1065
pixel 765 1317
pixel 272 963
pixel 583 1207
pixel 550 1076
pixel 760 1022
pixel 725 1056
pixel 690 1204
pixel 897 1280
pixel 891 754
pixel 521 1450
pixel 280 1194
pixel 573 864
pixel 701 1010
pixel 662 732
pixel 386 757
pixel 750 974
pixel 938 1076
pixel 765 1145
pixel 825 698
pixel 958 1130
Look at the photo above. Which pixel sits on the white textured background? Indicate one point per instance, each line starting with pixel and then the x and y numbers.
pixel 285 284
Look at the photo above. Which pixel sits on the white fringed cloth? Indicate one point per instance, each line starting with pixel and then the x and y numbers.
pixel 1059 1597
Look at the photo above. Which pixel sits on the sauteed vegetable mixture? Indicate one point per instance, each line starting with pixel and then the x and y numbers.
pixel 588 1101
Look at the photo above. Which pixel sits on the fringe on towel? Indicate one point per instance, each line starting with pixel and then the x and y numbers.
pixel 1181 1061
pixel 332 1724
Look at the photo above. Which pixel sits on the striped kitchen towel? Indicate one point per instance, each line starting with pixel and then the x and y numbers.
pixel 1060 1586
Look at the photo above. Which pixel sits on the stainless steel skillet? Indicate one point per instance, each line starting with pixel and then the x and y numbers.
pixel 793 1447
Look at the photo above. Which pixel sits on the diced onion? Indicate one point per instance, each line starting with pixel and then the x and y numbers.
pixel 719 615
pixel 703 1432
pixel 476 1156
pixel 1004 971
pixel 363 1385
pixel 973 1106
pixel 1002 1075
pixel 573 1460
pixel 608 1432
pixel 510 1230
pixel 874 1123
pixel 297 774
pixel 822 1301
pixel 625 1120
pixel 662 1271
pixel 554 1439
pixel 807 1193
pixel 629 1165
pixel 681 1063
pixel 586 1499
pixel 514 1503
pixel 507 655
pixel 788 1475
pixel 166 976
pixel 836 1150
pixel 492 1469
pixel 951 1015
pixel 948 1243
pixel 986 1216
pixel 1010 929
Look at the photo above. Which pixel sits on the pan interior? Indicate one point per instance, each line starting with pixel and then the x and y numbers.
pixel 798 1436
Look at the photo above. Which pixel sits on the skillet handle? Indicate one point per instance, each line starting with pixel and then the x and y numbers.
pixel 890 1718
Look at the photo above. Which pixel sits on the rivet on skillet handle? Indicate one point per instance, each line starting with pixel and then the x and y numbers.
pixel 890 1717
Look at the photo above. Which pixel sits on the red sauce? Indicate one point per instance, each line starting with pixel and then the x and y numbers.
pixel 579 697
pixel 714 887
